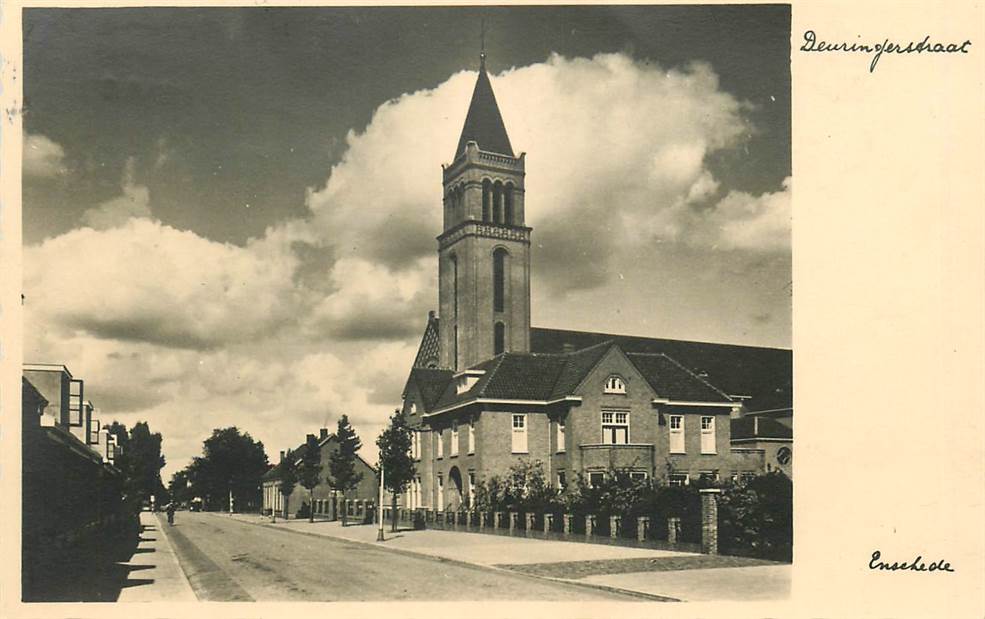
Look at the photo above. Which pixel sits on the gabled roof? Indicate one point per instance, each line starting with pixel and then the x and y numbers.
pixel 549 377
pixel 431 383
pixel 764 374
pixel 763 427
pixel 669 379
pixel 483 123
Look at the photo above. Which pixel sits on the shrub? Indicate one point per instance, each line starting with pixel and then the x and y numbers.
pixel 755 518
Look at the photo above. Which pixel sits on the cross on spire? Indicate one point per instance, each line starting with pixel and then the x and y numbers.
pixel 482 48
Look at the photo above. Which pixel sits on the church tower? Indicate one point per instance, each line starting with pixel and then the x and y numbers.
pixel 484 250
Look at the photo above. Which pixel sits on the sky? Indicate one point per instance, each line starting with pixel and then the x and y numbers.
pixel 230 214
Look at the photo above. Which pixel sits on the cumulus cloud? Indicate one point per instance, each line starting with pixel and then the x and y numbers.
pixel 134 203
pixel 321 315
pixel 613 141
pixel 42 158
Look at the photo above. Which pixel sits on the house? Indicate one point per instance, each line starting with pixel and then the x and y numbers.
pixel 326 499
pixel 487 389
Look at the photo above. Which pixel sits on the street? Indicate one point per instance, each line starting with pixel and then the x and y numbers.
pixel 229 560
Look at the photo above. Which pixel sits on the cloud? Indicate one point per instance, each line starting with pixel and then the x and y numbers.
pixel 146 282
pixel 42 158
pixel 134 203
pixel 321 315
pixel 616 142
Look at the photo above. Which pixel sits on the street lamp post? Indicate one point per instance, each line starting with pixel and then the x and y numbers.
pixel 379 507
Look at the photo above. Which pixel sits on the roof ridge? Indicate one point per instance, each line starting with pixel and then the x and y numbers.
pixel 664 339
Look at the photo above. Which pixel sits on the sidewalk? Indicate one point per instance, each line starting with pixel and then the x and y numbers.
pixel 679 575
pixel 154 574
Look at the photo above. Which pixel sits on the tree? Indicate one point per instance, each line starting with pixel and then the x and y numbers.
pixel 342 463
pixel 179 487
pixel 139 459
pixel 395 459
pixel 288 478
pixel 309 474
pixel 231 463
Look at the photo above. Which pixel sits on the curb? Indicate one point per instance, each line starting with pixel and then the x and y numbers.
pixel 476 566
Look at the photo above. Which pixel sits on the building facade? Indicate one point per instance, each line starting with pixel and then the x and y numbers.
pixel 324 500
pixel 488 390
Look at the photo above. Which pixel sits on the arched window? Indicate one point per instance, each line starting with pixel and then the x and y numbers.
pixel 486 200
pixel 498 202
pixel 508 203
pixel 499 338
pixel 499 279
pixel 614 384
pixel 454 285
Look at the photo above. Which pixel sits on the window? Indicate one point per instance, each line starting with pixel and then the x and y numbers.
pixel 471 436
pixel 413 408
pixel 455 352
pixel 678 479
pixel 440 439
pixel 454 285
pixel 454 439
pixel 560 436
pixel 499 338
pixel 441 491
pixel 615 428
pixel 708 435
pixel 486 199
pixel 471 488
pixel 614 384
pixel 508 202
pixel 637 475
pixel 499 279
pixel 596 479
pixel 94 432
pixel 498 202
pixel 677 434
pixel 519 434
pixel 415 444
pixel 562 483
pixel 709 475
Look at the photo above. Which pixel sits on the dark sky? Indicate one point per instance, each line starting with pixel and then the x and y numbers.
pixel 259 101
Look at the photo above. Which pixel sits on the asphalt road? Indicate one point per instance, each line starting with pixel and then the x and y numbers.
pixel 230 560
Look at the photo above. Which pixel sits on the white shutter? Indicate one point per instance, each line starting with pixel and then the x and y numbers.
pixel 519 434
pixel 677 434
pixel 708 435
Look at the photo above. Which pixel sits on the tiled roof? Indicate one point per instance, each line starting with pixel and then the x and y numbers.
pixel 483 123
pixel 431 383
pixel 545 377
pixel 427 352
pixel 670 379
pixel 765 374
pixel 764 427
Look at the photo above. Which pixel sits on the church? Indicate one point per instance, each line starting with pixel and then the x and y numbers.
pixel 488 390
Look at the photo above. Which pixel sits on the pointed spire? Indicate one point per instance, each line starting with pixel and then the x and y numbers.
pixel 483 123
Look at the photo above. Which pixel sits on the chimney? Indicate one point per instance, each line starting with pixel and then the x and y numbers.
pixel 282 456
pixel 430 315
pixel 323 434
pixel 309 438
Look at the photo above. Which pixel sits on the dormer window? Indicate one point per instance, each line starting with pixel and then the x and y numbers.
pixel 614 384
pixel 464 381
pixel 413 408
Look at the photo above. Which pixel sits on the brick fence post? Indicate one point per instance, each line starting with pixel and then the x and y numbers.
pixel 589 524
pixel 530 521
pixel 614 526
pixel 498 519
pixel 548 521
pixel 482 518
pixel 709 520
pixel 642 528
pixel 567 524
pixel 673 526
pixel 512 521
